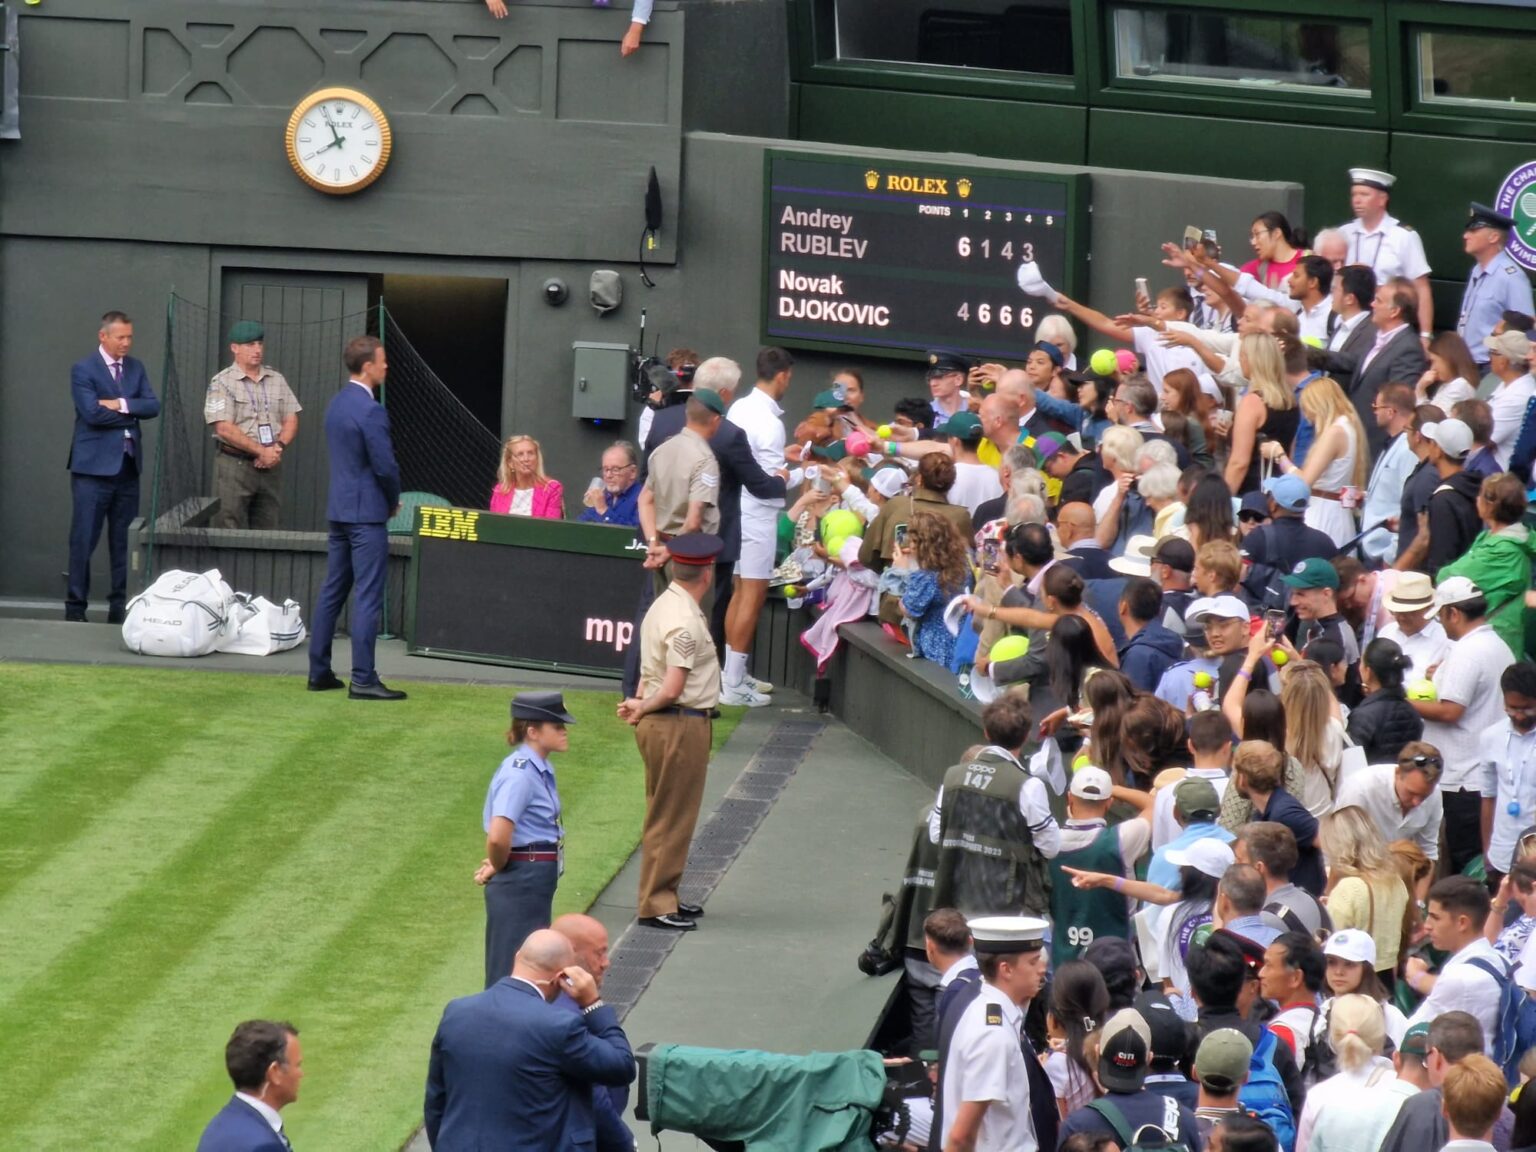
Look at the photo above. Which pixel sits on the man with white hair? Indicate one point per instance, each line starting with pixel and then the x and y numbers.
pixel 1119 509
pixel 1333 246
pixel 1015 461
pixel 1057 329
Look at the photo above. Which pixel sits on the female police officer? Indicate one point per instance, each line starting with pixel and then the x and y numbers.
pixel 524 843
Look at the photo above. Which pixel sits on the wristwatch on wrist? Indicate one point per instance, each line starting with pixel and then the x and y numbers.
pixel 592 1007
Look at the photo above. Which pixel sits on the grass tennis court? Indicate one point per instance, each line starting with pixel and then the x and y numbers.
pixel 181 850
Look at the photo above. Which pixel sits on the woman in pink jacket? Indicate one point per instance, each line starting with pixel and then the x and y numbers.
pixel 522 489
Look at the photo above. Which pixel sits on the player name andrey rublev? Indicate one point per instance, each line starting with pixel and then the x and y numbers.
pixel 815 305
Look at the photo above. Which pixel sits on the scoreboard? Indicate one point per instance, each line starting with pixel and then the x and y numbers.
pixel 889 257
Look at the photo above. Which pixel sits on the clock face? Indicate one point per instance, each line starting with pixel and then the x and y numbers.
pixel 338 140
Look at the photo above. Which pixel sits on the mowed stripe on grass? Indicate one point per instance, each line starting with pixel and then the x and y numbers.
pixel 230 846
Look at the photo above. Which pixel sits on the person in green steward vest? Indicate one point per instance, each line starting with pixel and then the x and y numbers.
pixel 1079 916
pixel 993 824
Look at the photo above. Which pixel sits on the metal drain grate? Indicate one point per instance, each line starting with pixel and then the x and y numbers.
pixel 640 952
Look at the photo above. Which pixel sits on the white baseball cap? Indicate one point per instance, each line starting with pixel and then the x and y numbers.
pixel 1207 854
pixel 1453 436
pixel 1225 607
pixel 889 482
pixel 1352 944
pixel 1090 783
pixel 1454 590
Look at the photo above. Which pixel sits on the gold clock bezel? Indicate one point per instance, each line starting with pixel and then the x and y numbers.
pixel 304 106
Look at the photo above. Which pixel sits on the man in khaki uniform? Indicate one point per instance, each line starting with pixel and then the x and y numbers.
pixel 682 490
pixel 679 688
pixel 255 416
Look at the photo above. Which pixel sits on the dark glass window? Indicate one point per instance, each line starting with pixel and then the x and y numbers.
pixel 1476 67
pixel 1008 35
pixel 1254 51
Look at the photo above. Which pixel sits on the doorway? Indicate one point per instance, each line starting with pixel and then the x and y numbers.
pixel 458 326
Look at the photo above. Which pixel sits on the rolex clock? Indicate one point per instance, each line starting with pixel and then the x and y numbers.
pixel 338 140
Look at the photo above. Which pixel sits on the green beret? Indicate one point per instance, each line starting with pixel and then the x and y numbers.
pixel 246 332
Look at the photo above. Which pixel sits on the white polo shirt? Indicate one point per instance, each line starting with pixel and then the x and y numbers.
pixel 986 1062
pixel 1162 360
pixel 758 415
pixel 1469 676
pixel 1507 761
pixel 1463 987
pixel 1390 249
pixel 1374 789
pixel 1507 403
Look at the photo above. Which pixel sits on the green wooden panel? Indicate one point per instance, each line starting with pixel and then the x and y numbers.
pixel 1240 150
pixel 1437 176
pixel 918 122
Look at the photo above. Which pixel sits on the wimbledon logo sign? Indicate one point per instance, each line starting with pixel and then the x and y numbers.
pixel 1517 198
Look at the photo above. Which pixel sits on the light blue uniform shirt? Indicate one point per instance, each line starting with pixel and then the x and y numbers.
pixel 1501 287
pixel 523 791
pixel 1160 871
pixel 1178 683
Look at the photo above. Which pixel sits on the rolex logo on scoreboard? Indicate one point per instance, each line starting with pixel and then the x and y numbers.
pixel 871 179
pixel 963 186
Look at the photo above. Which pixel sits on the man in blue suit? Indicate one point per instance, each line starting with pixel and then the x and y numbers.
pixel 364 493
pixel 266 1063
pixel 510 1070
pixel 589 940
pixel 111 394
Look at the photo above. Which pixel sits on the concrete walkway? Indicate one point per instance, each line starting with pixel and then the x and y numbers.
pixel 772 964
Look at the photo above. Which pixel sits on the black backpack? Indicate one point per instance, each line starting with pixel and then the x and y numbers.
pixel 1149 1137
pixel 1319 1057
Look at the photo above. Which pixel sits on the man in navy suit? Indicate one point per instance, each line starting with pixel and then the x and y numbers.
pixel 266 1063
pixel 589 940
pixel 510 1070
pixel 112 394
pixel 364 493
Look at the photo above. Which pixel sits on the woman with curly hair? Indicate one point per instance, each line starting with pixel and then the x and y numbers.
pixel 940 571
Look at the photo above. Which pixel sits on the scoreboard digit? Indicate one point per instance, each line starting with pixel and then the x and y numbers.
pixel 890 257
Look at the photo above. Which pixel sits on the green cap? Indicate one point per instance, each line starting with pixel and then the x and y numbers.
pixel 829 399
pixel 1221 1061
pixel 246 332
pixel 1416 1041
pixel 965 427
pixel 1313 573
pixel 710 400
pixel 1196 796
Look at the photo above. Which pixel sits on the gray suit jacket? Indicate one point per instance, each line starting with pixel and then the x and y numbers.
pixel 1402 361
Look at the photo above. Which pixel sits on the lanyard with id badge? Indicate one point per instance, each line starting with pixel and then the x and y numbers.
pixel 264 434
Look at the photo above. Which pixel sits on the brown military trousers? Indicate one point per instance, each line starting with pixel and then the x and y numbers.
pixel 675 749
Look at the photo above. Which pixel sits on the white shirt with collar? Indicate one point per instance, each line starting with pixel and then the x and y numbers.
pixel 122 403
pixel 1390 249
pixel 1426 647
pixel 966 963
pixel 1464 987
pixel 1346 329
pixel 1374 789
pixel 263 1109
pixel 1507 403
pixel 1311 321
pixel 986 1063
pixel 1469 676
pixel 1507 760
pixel 758 415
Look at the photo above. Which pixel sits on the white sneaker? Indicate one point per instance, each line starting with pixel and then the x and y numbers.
pixel 1031 283
pixel 743 695
pixel 761 686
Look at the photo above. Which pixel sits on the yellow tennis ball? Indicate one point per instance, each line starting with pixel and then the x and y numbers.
pixel 1081 762
pixel 884 431
pixel 1422 690
pixel 1010 648
pixel 1103 362
pixel 1279 657
pixel 791 591
pixel 1203 680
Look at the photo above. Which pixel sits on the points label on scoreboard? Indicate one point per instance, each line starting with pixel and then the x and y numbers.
pixel 891 257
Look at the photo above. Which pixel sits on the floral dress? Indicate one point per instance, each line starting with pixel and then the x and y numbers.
pixel 925 601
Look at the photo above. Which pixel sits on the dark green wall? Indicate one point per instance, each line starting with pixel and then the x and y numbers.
pixel 69 250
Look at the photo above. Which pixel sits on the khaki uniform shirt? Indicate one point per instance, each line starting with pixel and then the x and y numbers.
pixel 675 634
pixel 683 470
pixel 247 403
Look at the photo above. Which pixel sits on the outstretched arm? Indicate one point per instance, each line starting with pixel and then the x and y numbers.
pixel 1095 319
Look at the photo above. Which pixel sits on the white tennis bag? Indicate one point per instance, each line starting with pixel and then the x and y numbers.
pixel 180 614
pixel 258 627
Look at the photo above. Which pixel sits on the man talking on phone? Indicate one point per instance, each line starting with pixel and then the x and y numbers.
pixel 509 1070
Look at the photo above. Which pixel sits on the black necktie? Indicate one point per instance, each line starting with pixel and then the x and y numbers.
pixel 283 1136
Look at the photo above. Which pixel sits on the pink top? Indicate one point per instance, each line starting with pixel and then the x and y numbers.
pixel 1275 271
pixel 546 501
